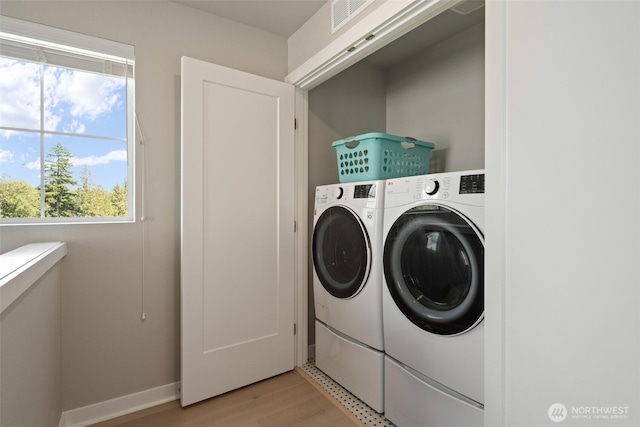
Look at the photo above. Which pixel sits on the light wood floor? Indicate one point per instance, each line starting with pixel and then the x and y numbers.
pixel 290 399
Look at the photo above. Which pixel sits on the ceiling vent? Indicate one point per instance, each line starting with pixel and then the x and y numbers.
pixel 466 7
pixel 343 10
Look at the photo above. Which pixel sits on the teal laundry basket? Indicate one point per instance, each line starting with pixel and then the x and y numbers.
pixel 376 155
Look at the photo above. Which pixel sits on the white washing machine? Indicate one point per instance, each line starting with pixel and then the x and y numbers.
pixel 347 287
pixel 433 299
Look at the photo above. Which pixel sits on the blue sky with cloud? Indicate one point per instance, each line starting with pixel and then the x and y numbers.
pixel 80 103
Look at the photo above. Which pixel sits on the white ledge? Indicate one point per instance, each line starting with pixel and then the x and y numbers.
pixel 22 267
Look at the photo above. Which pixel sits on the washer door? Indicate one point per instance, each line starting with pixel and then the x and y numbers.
pixel 434 269
pixel 341 252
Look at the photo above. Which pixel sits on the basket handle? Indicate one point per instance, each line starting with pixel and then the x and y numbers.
pixel 352 144
pixel 408 144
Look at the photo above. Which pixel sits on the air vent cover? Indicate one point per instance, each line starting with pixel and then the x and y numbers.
pixel 466 7
pixel 343 10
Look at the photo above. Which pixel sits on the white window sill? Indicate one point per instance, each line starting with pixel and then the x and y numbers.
pixel 22 267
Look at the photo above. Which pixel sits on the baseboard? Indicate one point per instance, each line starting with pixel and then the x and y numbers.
pixel 119 406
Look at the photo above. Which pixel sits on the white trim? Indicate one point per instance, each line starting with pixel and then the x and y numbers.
pixel 22 267
pixel 57 36
pixel 120 406
pixel 302 211
pixel 386 23
pixel 495 213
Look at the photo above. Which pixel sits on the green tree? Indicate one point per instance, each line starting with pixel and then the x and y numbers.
pixel 92 199
pixel 18 199
pixel 119 199
pixel 60 200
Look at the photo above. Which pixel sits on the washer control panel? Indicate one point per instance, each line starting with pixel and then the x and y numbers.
pixel 353 194
pixel 364 191
pixel 431 187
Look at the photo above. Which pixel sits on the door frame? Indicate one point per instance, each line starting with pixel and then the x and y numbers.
pixel 388 22
pixel 301 173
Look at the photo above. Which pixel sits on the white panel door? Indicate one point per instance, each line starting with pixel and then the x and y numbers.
pixel 237 259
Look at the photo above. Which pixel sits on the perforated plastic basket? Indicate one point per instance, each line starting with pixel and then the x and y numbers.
pixel 376 155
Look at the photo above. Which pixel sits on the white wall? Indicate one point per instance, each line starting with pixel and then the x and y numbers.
pixel 438 96
pixel 107 350
pixel 563 211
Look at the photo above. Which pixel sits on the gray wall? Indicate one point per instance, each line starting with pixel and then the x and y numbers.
pixel 107 351
pixel 31 368
pixel 438 96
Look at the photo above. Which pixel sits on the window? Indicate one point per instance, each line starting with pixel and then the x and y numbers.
pixel 66 126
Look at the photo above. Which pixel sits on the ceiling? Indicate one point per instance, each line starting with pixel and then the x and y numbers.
pixel 438 29
pixel 281 17
pixel 284 17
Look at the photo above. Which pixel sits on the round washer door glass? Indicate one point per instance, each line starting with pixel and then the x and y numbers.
pixel 434 269
pixel 341 252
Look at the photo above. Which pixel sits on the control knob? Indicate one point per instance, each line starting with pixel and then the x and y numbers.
pixel 431 187
pixel 340 193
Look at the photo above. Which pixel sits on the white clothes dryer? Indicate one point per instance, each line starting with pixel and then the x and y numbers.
pixel 433 299
pixel 347 287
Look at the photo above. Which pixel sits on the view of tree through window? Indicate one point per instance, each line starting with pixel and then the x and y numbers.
pixel 65 130
pixel 84 136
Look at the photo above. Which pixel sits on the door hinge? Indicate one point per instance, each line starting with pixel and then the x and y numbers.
pixel 295 226
pixel 295 123
pixel 295 329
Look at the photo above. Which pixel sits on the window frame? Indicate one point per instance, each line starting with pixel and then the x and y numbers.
pixel 88 47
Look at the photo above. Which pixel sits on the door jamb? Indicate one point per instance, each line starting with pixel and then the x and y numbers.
pixel 302 228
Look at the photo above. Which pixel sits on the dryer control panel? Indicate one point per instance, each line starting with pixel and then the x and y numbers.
pixel 472 184
pixel 463 187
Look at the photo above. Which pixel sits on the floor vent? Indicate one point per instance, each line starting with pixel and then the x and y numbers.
pixel 361 410
pixel 343 10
